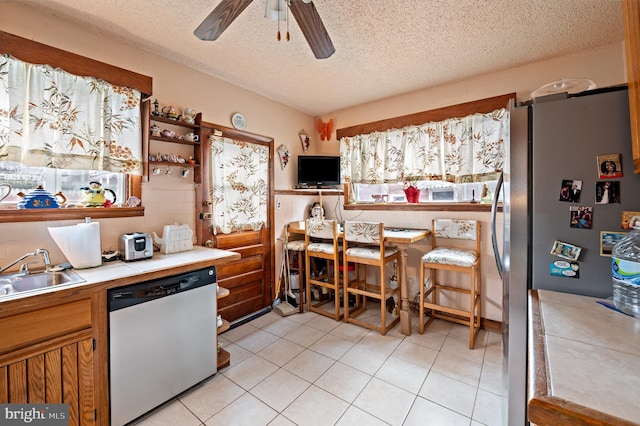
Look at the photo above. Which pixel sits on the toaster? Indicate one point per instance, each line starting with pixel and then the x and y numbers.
pixel 135 246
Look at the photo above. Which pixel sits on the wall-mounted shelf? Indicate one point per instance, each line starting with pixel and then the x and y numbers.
pixel 181 128
pixel 170 163
pixel 171 121
pixel 311 191
pixel 173 140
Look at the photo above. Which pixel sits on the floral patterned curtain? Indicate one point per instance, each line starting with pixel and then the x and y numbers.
pixel 50 118
pixel 456 150
pixel 239 184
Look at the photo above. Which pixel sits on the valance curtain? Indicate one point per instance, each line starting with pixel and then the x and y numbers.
pixel 50 118
pixel 467 149
pixel 239 184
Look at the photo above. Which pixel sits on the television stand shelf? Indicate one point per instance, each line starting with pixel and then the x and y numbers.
pixel 309 191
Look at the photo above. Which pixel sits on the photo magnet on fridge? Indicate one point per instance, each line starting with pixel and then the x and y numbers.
pixel 609 166
pixel 570 190
pixel 608 239
pixel 608 192
pixel 581 217
pixel 565 250
pixel 627 216
pixel 564 268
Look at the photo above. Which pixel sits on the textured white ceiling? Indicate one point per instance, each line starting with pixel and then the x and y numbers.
pixel 383 47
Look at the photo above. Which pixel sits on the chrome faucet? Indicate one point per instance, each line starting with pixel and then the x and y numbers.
pixel 25 269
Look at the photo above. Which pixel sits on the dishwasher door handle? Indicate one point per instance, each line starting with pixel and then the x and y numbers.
pixel 188 283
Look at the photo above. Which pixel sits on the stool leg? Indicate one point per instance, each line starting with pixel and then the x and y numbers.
pixel 421 307
pixel 302 284
pixel 336 288
pixel 383 303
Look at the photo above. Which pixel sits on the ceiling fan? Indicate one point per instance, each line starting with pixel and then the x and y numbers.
pixel 303 11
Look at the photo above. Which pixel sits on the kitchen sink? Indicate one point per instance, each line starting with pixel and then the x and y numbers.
pixel 19 282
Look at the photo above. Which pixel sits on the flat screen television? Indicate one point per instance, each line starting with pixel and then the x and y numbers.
pixel 316 171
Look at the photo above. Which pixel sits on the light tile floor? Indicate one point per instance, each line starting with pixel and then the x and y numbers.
pixel 307 369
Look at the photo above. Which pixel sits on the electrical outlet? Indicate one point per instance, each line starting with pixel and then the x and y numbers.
pixel 278 204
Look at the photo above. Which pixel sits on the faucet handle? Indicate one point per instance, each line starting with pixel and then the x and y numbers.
pixel 24 268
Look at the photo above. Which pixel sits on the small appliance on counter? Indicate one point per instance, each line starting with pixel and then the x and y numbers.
pixel 175 238
pixel 135 246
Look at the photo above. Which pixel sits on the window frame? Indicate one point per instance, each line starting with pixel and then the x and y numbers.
pixel 38 53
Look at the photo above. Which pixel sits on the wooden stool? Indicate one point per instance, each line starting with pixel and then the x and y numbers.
pixel 321 238
pixel 364 246
pixel 457 260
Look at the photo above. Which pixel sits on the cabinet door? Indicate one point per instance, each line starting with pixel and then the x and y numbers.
pixel 631 15
pixel 59 374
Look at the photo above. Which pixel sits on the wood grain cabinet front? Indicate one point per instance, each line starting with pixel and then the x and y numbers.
pixel 631 18
pixel 49 359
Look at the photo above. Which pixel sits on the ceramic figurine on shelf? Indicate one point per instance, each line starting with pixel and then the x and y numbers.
pixel 95 195
pixel 171 113
pixel 155 130
pixel 189 116
pixel 155 111
pixel 486 195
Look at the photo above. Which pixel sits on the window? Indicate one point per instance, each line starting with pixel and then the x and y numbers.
pixel 69 182
pixel 430 191
pixel 102 150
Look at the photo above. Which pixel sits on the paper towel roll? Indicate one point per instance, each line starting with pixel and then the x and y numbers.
pixel 79 243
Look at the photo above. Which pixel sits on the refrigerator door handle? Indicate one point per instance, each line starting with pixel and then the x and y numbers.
pixel 494 237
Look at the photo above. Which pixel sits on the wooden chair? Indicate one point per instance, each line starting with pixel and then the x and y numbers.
pixel 456 260
pixel 364 246
pixel 321 242
pixel 295 249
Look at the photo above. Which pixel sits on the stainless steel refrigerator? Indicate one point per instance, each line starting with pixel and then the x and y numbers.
pixel 555 141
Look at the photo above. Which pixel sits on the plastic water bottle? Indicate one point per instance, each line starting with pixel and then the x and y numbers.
pixel 625 269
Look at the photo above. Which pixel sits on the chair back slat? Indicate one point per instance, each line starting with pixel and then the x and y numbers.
pixel 363 232
pixel 461 229
pixel 325 229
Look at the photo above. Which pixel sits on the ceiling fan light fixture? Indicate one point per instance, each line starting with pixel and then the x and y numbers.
pixel 276 10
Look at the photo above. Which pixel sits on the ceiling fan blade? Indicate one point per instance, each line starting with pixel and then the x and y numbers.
pixel 312 27
pixel 220 18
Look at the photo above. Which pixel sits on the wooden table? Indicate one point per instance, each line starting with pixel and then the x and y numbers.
pixel 397 236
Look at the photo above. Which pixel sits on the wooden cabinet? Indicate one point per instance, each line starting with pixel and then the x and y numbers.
pixel 163 158
pixel 224 357
pixel 49 358
pixel 631 18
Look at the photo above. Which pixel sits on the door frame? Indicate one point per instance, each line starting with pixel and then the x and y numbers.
pixel 203 209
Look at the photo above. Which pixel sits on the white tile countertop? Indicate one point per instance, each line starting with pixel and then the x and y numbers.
pixel 584 361
pixel 111 271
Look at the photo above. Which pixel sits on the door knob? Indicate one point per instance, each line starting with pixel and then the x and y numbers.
pixel 206 203
pixel 210 244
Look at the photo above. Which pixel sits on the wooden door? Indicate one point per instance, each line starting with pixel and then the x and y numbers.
pixel 251 234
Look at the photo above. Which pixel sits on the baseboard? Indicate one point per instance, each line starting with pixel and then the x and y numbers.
pixel 491 325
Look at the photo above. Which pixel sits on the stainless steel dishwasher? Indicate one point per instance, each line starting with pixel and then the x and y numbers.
pixel 162 340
